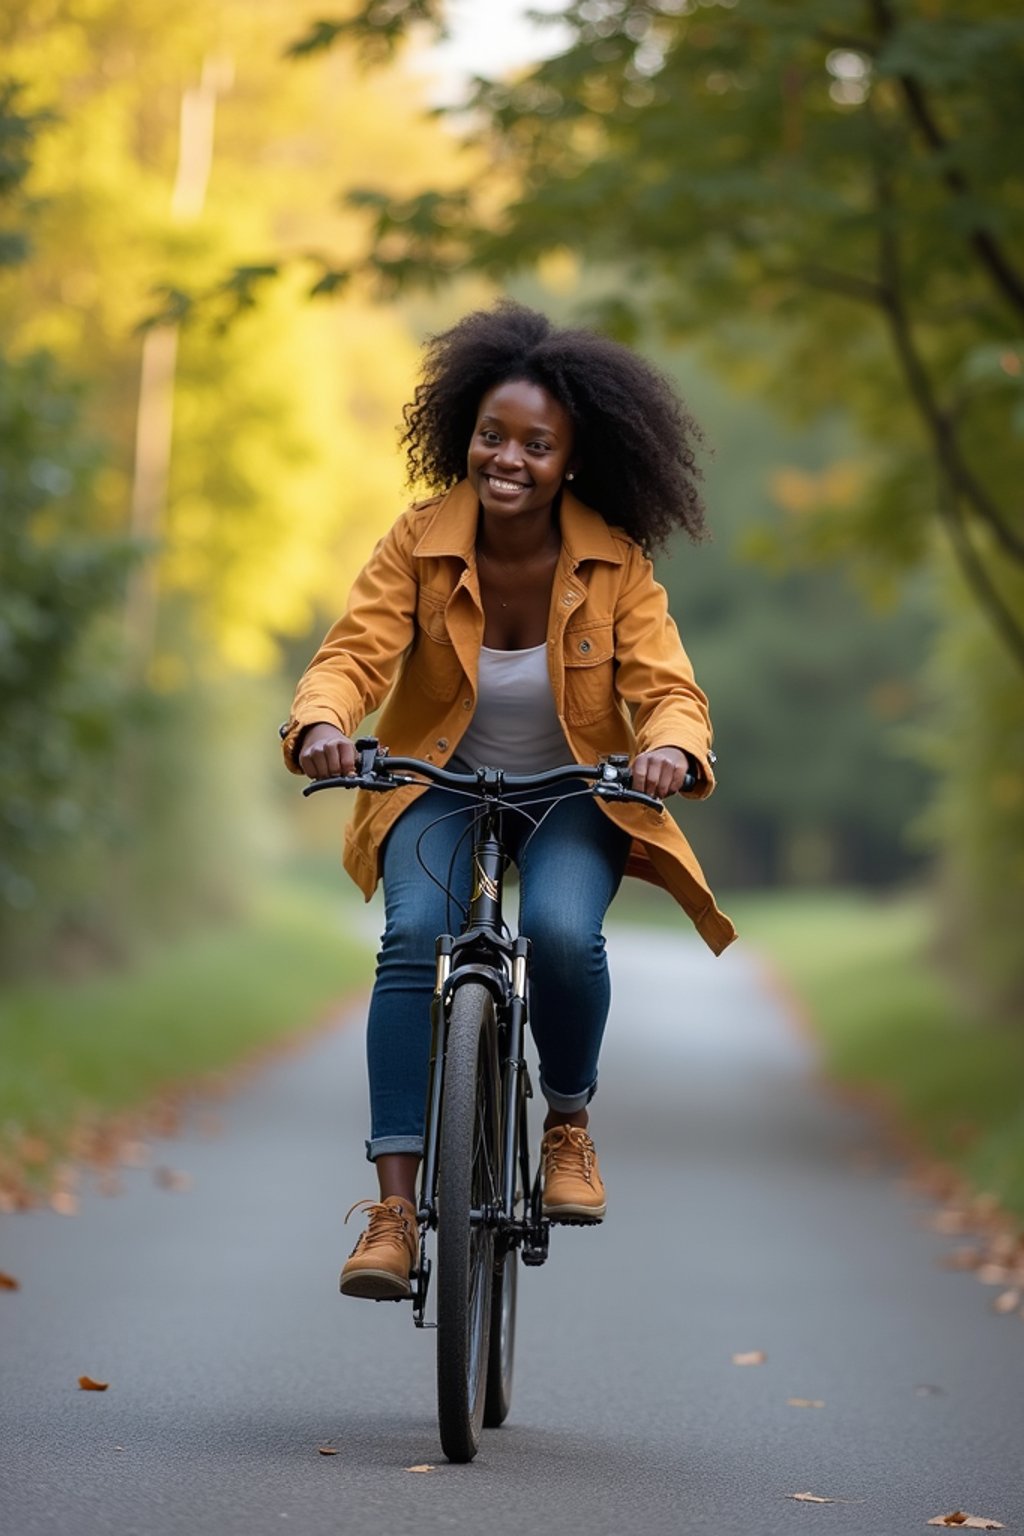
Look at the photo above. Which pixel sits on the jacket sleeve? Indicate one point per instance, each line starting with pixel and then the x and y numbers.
pixel 352 671
pixel 654 674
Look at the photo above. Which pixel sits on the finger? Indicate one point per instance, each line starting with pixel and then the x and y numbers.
pixel 639 774
pixel 332 759
pixel 346 757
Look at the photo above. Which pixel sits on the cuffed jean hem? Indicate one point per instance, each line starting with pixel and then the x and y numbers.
pixel 381 1146
pixel 568 1103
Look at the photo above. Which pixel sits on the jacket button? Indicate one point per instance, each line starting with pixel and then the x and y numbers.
pixel 467 703
pixel 442 743
pixel 570 597
pixel 585 647
pixel 282 729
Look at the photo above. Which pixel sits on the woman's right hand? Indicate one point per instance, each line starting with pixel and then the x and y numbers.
pixel 326 753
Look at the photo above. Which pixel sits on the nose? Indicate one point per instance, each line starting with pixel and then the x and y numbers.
pixel 509 454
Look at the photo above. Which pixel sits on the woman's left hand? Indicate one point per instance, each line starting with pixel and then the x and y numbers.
pixel 661 771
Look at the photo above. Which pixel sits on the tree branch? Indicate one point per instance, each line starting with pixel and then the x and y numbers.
pixel 960 476
pixel 1009 283
pixel 959 482
pixel 1000 615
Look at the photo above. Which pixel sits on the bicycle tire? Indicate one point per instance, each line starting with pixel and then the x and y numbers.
pixel 469 1178
pixel 502 1343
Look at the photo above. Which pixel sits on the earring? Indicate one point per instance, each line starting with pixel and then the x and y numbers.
pixel 571 474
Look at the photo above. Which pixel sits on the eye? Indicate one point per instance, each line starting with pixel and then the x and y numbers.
pixel 537 447
pixel 489 435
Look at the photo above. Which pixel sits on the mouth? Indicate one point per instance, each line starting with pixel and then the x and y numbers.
pixel 505 487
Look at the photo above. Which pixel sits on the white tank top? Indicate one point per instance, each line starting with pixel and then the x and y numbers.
pixel 514 725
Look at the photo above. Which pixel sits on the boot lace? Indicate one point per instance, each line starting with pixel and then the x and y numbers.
pixel 386 1223
pixel 568 1148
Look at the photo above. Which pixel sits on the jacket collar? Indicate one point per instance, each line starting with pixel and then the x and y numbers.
pixel 452 529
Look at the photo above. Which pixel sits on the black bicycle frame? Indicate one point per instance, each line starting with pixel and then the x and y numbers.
pixel 482 954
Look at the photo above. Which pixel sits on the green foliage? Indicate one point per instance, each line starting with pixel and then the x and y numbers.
pixel 976 740
pixel 195 1005
pixel 59 699
pixel 814 684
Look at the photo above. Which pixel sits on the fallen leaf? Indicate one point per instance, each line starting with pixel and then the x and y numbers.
pixel 424 1466
pixel 8 1282
pixel 64 1203
pixel 133 1154
pixel 950 1220
pixel 964 1257
pixel 88 1385
pixel 811 1498
pixel 169 1178
pixel 972 1522
pixel 805 1402
pixel 1007 1301
pixel 752 1357
pixel 327 1450
pixel 993 1274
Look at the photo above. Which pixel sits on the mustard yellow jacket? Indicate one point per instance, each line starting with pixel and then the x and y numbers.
pixel 410 639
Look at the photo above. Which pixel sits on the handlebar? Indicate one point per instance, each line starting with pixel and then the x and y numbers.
pixel 380 772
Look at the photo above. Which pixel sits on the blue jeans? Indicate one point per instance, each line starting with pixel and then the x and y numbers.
pixel 569 870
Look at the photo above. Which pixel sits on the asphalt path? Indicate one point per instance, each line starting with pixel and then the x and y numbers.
pixel 744 1216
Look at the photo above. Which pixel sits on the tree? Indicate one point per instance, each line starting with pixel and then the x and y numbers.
pixel 828 199
pixel 847 171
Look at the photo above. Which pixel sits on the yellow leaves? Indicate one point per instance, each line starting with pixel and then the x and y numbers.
pixel 805 1402
pixel 801 492
pixel 326 1450
pixel 811 1498
pixel 423 1466
pixel 89 1384
pixel 8 1282
pixel 751 1357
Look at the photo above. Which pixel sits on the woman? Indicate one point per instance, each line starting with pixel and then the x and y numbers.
pixel 514 621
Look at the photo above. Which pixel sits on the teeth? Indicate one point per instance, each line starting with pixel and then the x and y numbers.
pixel 505 485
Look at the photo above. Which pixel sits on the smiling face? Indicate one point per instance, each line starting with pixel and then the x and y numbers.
pixel 521 447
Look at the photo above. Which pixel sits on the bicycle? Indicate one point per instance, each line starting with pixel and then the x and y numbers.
pixel 476 1189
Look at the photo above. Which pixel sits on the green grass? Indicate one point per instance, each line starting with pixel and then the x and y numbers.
pixel 876 996
pixel 195 1006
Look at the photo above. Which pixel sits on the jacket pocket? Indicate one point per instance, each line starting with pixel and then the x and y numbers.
pixel 588 654
pixel 433 660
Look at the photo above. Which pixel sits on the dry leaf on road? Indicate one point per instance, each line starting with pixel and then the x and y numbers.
pixel 8 1282
pixel 87 1384
pixel 169 1178
pixel 971 1522
pixel 811 1498
pixel 424 1466
pixel 752 1357
pixel 64 1203
pixel 327 1450
pixel 1008 1301
pixel 805 1402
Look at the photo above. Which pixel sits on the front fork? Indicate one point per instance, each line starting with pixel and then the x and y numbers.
pixel 532 1231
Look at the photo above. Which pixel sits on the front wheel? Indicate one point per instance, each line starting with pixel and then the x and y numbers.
pixel 501 1349
pixel 468 1189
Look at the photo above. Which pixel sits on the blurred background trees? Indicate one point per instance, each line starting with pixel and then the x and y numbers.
pixel 826 201
pixel 809 215
pixel 176 501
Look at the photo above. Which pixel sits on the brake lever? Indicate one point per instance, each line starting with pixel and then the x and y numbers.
pixel 379 782
pixel 632 796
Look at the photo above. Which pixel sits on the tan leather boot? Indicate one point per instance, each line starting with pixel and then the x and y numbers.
pixel 379 1264
pixel 573 1191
